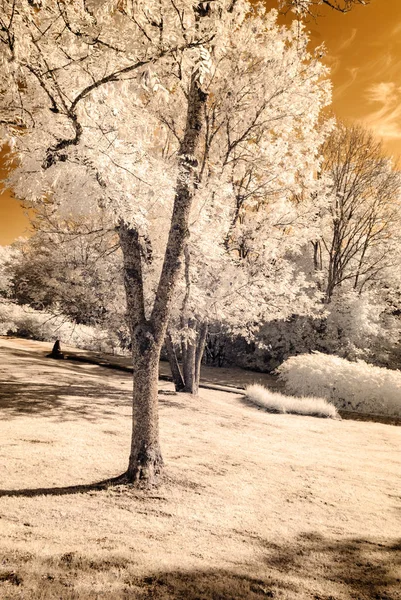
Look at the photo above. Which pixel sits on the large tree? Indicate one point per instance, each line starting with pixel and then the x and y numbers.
pixel 360 235
pixel 84 86
pixel 260 146
pixel 72 73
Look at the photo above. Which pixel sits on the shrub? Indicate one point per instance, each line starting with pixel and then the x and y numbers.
pixel 27 322
pixel 355 386
pixel 277 403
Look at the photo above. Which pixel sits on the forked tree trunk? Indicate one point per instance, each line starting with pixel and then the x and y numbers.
pixel 192 353
pixel 148 333
pixel 145 461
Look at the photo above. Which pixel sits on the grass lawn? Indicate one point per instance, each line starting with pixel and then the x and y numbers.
pixel 253 504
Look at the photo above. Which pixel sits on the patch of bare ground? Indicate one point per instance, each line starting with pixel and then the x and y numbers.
pixel 252 505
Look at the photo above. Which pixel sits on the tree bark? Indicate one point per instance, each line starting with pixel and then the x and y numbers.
pixel 200 351
pixel 185 189
pixel 188 367
pixel 174 366
pixel 145 461
pixel 192 358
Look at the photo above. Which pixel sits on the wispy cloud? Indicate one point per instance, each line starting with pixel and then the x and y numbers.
pixel 339 90
pixel 386 120
pixel 348 41
pixel 397 29
pixel 333 61
pixel 383 92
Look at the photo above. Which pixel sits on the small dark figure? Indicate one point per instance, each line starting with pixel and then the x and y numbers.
pixel 56 352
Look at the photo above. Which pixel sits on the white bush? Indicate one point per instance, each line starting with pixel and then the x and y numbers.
pixel 40 325
pixel 355 386
pixel 7 255
pixel 273 402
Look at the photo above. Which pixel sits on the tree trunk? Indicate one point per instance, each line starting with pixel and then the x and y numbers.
pixel 200 350
pixel 145 461
pixel 192 358
pixel 188 367
pixel 148 334
pixel 174 366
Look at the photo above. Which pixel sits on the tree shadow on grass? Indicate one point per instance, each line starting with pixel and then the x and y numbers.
pixel 40 359
pixel 367 569
pixel 139 491
pixel 73 392
pixel 67 490
pixel 309 567
pixel 67 391
pixel 206 585
pixel 312 567
pixel 64 400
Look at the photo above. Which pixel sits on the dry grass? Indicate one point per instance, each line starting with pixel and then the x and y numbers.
pixel 278 403
pixel 253 504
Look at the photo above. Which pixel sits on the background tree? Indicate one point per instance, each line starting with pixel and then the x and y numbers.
pixel 260 144
pixel 361 233
pixel 8 256
pixel 237 293
pixel 69 268
pixel 354 259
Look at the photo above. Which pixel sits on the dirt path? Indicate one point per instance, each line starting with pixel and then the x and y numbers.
pixel 253 504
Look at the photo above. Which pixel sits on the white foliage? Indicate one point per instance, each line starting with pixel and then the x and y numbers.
pixel 355 386
pixel 259 142
pixel 41 325
pixel 7 255
pixel 357 324
pixel 261 147
pixel 203 67
pixel 278 403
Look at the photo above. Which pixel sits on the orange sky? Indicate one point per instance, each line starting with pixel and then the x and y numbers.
pixel 364 53
pixel 13 222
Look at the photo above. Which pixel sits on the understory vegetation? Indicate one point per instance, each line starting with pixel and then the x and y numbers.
pixel 354 386
pixel 26 322
pixel 278 403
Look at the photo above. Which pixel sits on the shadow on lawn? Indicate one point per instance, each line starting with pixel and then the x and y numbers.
pixel 67 490
pixel 312 567
pixel 367 568
pixel 73 392
pixel 90 401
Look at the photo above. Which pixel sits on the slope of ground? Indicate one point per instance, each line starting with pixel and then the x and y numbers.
pixel 224 376
pixel 253 504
